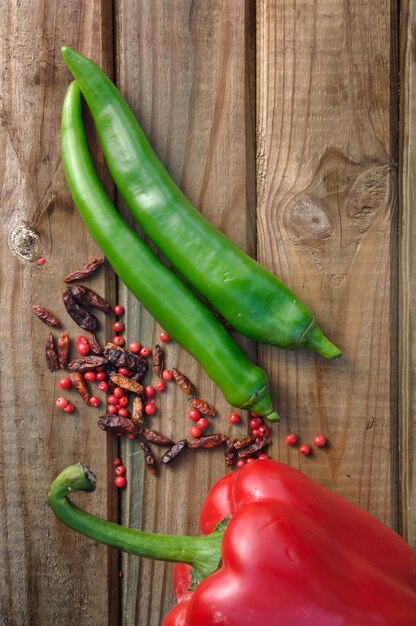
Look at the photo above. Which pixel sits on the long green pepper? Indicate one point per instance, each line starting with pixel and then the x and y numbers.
pixel 252 299
pixel 164 295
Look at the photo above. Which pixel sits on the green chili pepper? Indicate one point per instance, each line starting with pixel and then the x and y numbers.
pixel 252 299
pixel 165 296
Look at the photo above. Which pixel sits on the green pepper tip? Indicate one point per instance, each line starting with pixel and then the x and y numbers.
pixel 316 340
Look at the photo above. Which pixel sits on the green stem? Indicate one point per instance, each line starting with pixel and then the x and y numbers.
pixel 202 553
pixel 316 340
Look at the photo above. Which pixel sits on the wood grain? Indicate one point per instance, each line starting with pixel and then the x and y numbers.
pixel 326 130
pixel 182 66
pixel 50 574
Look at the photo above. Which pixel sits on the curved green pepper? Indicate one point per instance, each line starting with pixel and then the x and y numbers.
pixel 252 299
pixel 165 296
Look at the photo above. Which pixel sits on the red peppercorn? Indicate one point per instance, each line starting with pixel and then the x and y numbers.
pixel 240 463
pixel 145 351
pixel 150 408
pixel 83 348
pixel 150 391
pixel 160 385
pixel 250 460
pixel 123 412
pixel 61 403
pixel 94 401
pixel 117 461
pixel 195 432
pixel 90 376
pixel 118 326
pixel 103 385
pixel 263 456
pixel 118 309
pixel 305 449
pixel 202 423
pixel 255 432
pixel 120 482
pixel 194 415
pixel 123 401
pixel 264 430
pixel 42 261
pixel 131 436
pixel 164 336
pixel 319 441
pixel 120 470
pixel 291 439
pixel 101 376
pixel 65 383
pixel 255 422
pixel 119 392
pixel 112 409
pixel 112 399
pixel 123 371
pixel 118 340
pixel 134 347
pixel 81 339
pixel 254 414
pixel 234 418
pixel 70 408
pixel 167 375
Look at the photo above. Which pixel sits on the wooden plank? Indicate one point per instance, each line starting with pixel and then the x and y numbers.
pixel 182 66
pixel 50 574
pixel 407 191
pixel 326 132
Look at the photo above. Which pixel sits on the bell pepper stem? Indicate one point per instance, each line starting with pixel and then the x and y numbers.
pixel 202 553
pixel 316 340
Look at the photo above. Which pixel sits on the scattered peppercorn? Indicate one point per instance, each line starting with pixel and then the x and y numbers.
pixel 304 449
pixel 118 310
pixel 291 439
pixel 134 347
pixel 120 482
pixel 167 375
pixel 234 418
pixel 319 441
pixel 65 383
pixel 164 337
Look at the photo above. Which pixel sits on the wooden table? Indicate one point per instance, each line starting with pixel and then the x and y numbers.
pixel 280 121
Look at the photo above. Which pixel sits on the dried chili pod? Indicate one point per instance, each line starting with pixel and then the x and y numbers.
pixel 207 441
pixel 119 357
pixel 230 452
pixel 93 343
pixel 81 316
pixel 183 382
pixel 84 271
pixel 80 385
pixel 137 411
pixel 45 316
pixel 51 353
pixel 157 361
pixel 88 297
pixel 203 407
pixel 253 448
pixel 64 346
pixel 126 383
pixel 155 437
pixel 173 452
pixel 118 425
pixel 88 362
pixel 242 443
pixel 148 457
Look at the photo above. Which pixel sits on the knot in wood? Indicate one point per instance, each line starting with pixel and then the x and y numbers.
pixel 24 242
pixel 309 218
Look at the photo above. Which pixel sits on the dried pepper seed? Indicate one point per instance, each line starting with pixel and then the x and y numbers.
pixel 157 361
pixel 207 441
pixel 155 437
pixel 253 448
pixel 230 452
pixel 118 425
pixel 305 449
pixel 148 457
pixel 126 383
pixel 80 385
pixel 291 439
pixel 45 316
pixel 84 271
pixel 174 451
pixel 203 407
pixel 85 363
pixel 183 382
pixel 93 343
pixel 88 297
pixel 242 443
pixel 64 347
pixel 81 316
pixel 137 410
pixel 118 310
pixel 51 353
pixel 319 441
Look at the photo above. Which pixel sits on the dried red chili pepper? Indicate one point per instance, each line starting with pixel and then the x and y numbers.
pixel 182 381
pixel 118 425
pixel 126 383
pixel 137 411
pixel 45 316
pixel 88 297
pixel 119 357
pixel 80 385
pixel 173 452
pixel 203 407
pixel 85 363
pixel 51 353
pixel 64 347
pixel 93 343
pixel 207 441
pixel 84 271
pixel 157 361
pixel 148 457
pixel 230 452
pixel 242 443
pixel 155 437
pixel 253 448
pixel 81 316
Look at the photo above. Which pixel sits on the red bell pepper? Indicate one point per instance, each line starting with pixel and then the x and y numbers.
pixel 292 554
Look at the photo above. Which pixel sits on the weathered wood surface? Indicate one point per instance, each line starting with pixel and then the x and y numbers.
pixel 280 122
